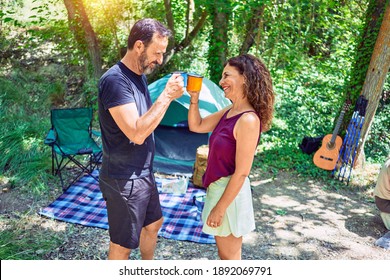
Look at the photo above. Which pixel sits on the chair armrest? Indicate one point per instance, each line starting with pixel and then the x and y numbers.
pixel 50 138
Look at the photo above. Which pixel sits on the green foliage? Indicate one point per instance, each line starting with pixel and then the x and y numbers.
pixel 191 59
pixel 317 29
pixel 64 46
pixel 363 51
pixel 308 101
pixel 89 91
pixel 377 145
pixel 23 124
pixel 108 17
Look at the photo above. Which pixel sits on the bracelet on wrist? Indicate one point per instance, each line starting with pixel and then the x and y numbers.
pixel 194 102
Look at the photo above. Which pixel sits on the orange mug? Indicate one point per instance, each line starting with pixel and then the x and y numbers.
pixel 194 82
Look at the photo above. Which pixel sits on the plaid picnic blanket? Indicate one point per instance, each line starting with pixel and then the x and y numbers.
pixel 83 203
pixel 181 216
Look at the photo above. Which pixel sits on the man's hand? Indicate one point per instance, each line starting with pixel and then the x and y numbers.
pixel 174 87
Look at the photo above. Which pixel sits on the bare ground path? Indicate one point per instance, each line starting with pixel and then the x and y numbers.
pixel 295 219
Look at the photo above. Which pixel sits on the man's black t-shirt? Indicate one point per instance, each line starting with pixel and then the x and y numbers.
pixel 123 159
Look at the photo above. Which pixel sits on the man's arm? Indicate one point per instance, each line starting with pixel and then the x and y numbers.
pixel 136 128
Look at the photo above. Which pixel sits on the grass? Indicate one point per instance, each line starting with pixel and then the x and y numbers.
pixel 22 240
pixel 23 124
pixel 281 212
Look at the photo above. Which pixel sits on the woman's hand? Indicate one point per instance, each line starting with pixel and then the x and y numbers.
pixel 194 96
pixel 215 217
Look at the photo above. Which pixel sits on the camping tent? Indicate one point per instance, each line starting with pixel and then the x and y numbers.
pixel 175 144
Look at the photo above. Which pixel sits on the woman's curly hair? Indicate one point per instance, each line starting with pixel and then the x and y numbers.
pixel 258 86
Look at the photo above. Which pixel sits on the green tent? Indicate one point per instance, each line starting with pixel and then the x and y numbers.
pixel 175 144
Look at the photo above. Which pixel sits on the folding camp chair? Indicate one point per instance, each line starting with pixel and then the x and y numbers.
pixel 70 138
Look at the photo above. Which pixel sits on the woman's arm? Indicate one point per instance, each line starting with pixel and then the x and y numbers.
pixel 198 124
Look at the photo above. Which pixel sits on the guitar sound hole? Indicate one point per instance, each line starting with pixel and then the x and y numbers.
pixel 326 158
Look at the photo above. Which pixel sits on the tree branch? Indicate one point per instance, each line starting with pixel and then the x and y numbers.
pixel 251 28
pixel 187 40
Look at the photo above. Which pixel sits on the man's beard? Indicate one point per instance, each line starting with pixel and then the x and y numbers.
pixel 146 67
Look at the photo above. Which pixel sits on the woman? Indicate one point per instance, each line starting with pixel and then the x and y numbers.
pixel 228 211
pixel 382 192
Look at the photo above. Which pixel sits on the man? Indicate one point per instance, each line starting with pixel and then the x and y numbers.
pixel 127 121
pixel 382 193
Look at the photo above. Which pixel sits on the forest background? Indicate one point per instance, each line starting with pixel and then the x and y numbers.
pixel 52 53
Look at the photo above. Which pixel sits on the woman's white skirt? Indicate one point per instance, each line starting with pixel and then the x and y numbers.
pixel 239 217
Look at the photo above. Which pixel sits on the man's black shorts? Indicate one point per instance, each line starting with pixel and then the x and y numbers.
pixel 131 205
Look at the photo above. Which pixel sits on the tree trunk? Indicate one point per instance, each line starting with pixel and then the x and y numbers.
pixel 189 16
pixel 84 34
pixel 218 42
pixel 363 54
pixel 376 76
pixel 169 17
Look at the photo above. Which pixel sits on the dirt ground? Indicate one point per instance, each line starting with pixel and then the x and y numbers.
pixel 296 219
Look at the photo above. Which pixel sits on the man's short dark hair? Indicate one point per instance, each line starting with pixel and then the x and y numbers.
pixel 144 30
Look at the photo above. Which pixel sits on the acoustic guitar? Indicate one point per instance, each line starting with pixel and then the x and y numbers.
pixel 327 155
